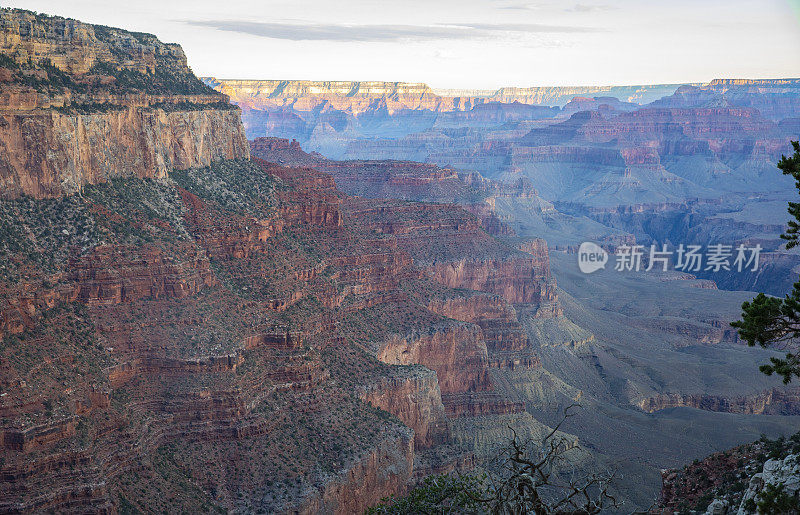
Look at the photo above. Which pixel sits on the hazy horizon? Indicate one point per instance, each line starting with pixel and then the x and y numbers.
pixel 469 44
pixel 468 88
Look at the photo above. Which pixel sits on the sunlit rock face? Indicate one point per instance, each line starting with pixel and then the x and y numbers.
pixel 47 154
pixel 97 102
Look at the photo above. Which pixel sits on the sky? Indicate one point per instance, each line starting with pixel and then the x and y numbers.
pixel 465 43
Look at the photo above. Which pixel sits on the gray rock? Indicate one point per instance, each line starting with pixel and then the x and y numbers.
pixel 775 472
pixel 717 507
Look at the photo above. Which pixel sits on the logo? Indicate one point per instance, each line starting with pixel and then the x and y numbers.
pixel 591 257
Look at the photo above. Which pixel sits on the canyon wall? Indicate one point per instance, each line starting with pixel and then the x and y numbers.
pixel 383 472
pixel 75 47
pixel 517 280
pixel 416 400
pixel 47 154
pixel 355 97
pixel 457 354
pixel 83 103
pixel 770 402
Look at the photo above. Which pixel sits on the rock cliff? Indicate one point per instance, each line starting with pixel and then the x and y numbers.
pixel 86 103
pixel 355 97
pixel 47 154
pixel 771 402
pixel 416 400
pixel 759 477
pixel 75 47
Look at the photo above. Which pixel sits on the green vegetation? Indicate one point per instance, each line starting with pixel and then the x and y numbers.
pixel 775 499
pixel 438 494
pixel 89 108
pixel 45 233
pixel 56 361
pixel 42 76
pixel 149 208
pixel 55 77
pixel 237 186
pixel 771 321
pixel 192 106
pixel 169 107
pixel 162 487
pixel 167 78
pixel 6 61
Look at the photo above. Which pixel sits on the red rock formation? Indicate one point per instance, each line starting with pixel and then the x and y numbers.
pixel 28 439
pixel 496 318
pixel 110 275
pixel 312 197
pixel 456 353
pixel 46 154
pixel 402 180
pixel 415 400
pixel 280 340
pixel 489 219
pixel 479 404
pixel 50 147
pixel 384 471
pixel 516 279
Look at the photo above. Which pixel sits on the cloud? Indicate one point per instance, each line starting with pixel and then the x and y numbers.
pixel 523 7
pixel 586 8
pixel 536 28
pixel 381 33
pixel 577 8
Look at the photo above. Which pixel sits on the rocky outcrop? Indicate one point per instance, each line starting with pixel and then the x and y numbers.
pixel 480 404
pixel 113 275
pixel 456 353
pixel 47 153
pixel 312 197
pixel 516 279
pixel 106 276
pixel 686 488
pixel 406 180
pixel 384 471
pixel 506 340
pixel 769 402
pixel 75 47
pixel 736 481
pixel 776 473
pixel 416 400
pixel 142 113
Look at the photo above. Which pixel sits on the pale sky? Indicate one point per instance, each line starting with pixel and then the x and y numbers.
pixel 465 43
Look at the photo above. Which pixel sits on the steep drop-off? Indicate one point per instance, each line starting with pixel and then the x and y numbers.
pixel 82 103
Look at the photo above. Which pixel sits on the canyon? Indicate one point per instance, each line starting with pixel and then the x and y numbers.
pixel 194 322
pixel 687 163
pixel 170 305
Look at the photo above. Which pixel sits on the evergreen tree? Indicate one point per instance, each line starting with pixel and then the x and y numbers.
pixel 771 321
